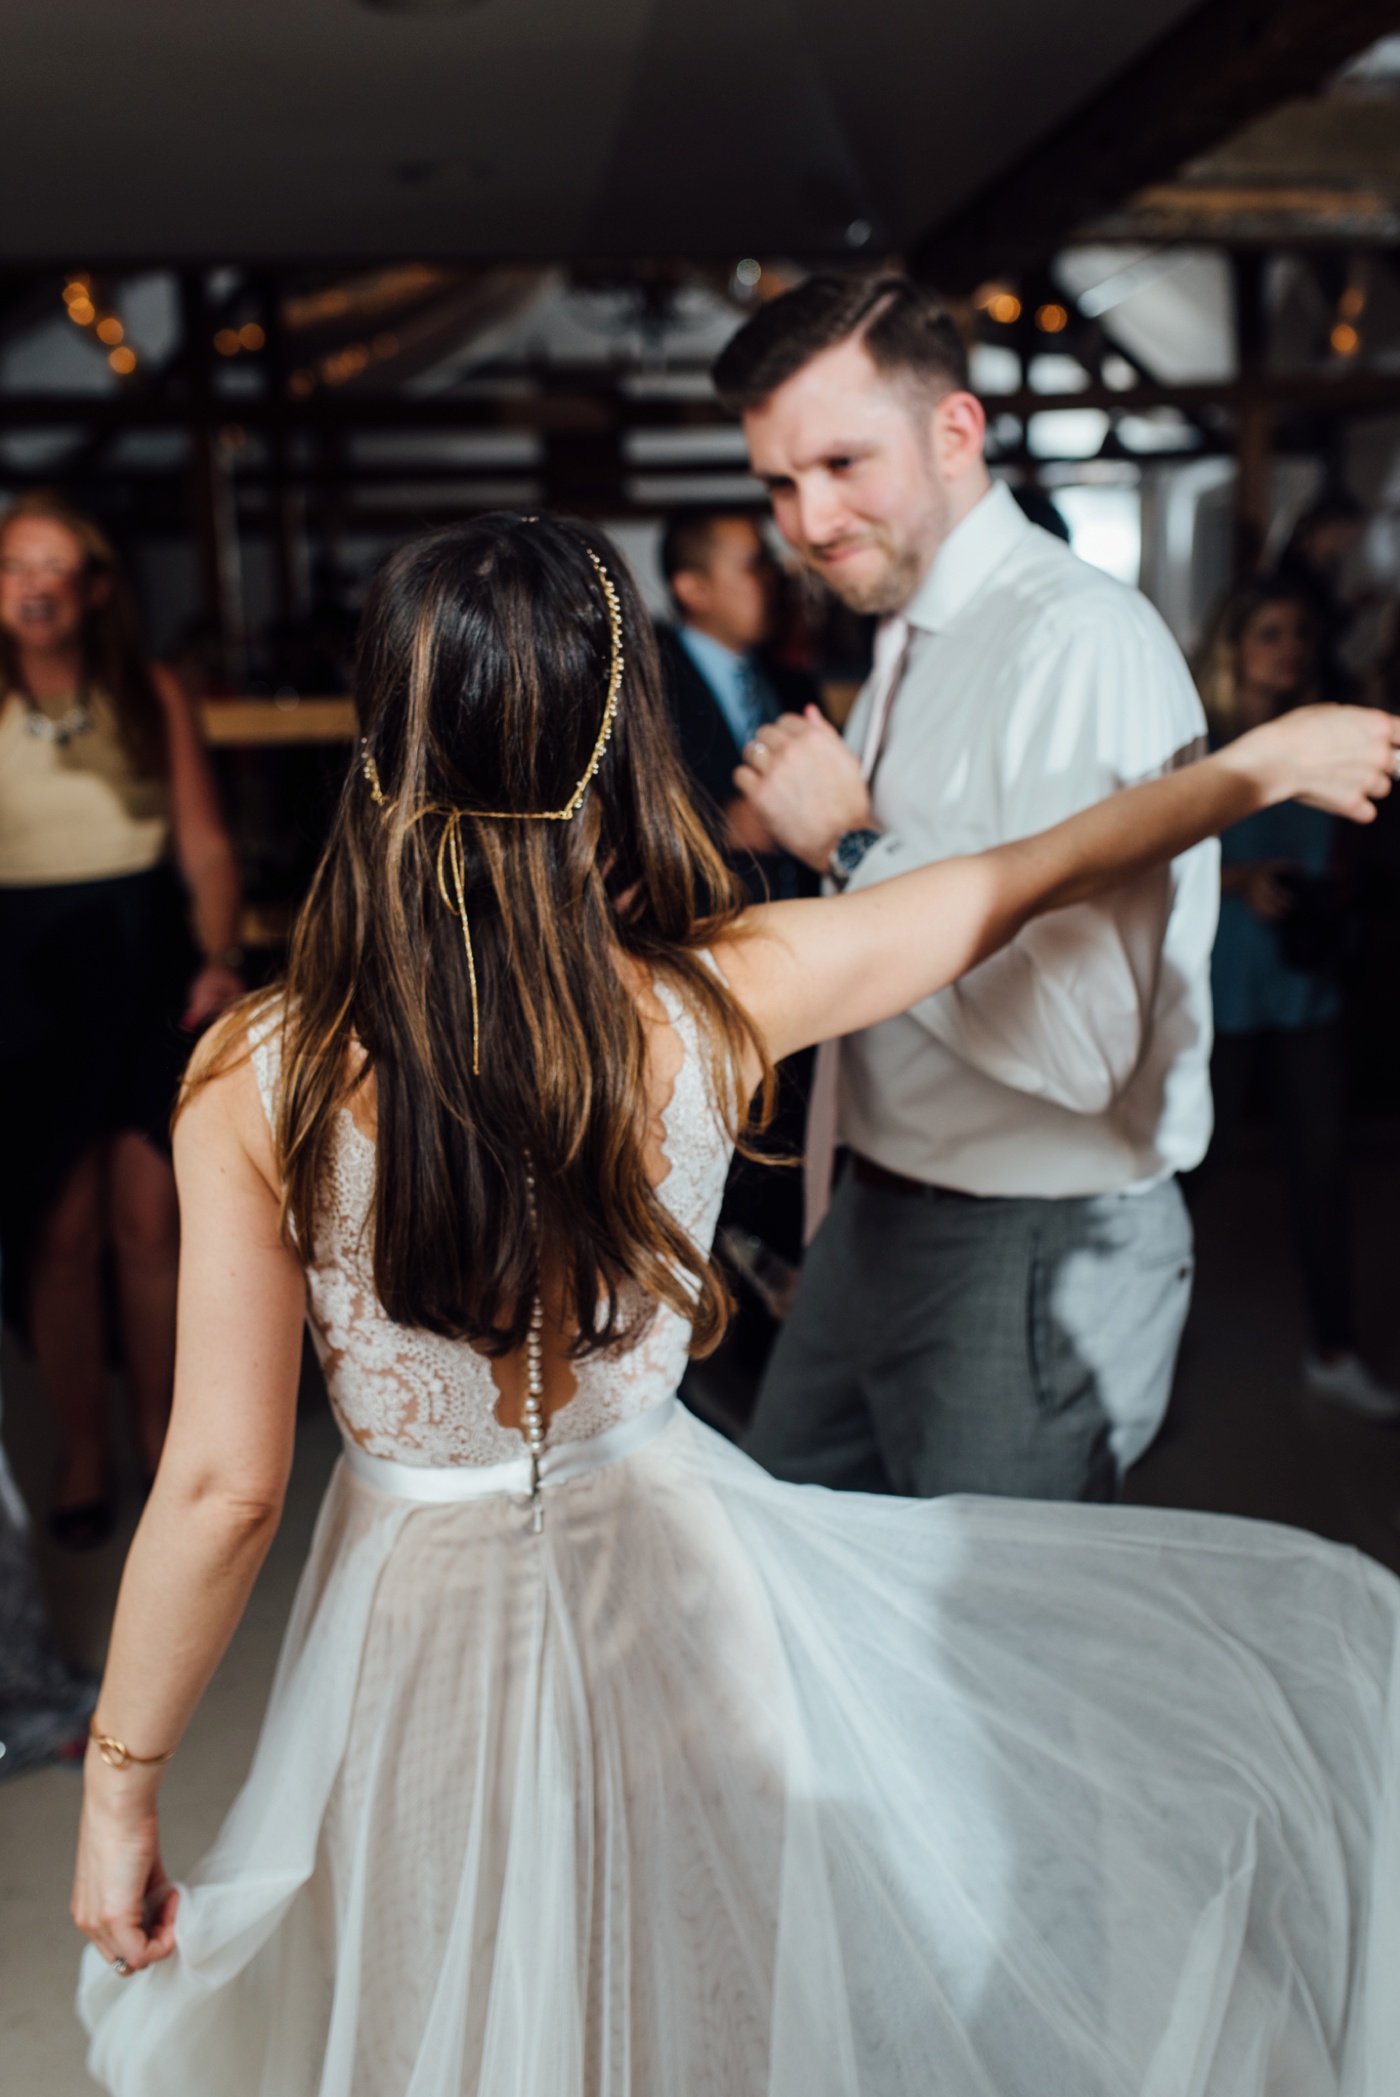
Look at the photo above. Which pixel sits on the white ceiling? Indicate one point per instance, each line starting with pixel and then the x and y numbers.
pixel 261 129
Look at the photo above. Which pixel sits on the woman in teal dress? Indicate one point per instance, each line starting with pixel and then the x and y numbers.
pixel 1274 976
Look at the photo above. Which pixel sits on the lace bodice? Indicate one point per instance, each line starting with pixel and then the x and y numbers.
pixel 418 1398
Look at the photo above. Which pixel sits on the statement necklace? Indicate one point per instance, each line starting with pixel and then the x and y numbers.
pixel 76 721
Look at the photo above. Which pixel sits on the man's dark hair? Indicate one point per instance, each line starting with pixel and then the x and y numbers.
pixel 906 330
pixel 688 538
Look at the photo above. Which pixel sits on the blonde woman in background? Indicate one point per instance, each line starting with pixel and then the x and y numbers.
pixel 1274 980
pixel 112 850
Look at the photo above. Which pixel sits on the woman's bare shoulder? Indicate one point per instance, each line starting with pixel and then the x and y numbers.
pixel 222 1097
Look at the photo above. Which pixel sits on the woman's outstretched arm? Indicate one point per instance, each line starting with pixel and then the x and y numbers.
pixel 808 970
pixel 212 1512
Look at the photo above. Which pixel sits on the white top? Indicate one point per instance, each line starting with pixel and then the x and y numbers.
pixel 77 810
pixel 1075 1061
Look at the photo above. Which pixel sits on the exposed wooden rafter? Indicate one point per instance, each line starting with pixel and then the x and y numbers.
pixel 1227 63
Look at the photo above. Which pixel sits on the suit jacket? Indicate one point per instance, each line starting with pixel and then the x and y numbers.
pixel 710 753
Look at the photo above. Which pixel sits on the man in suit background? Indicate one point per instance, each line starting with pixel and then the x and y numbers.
pixel 722 686
pixel 722 683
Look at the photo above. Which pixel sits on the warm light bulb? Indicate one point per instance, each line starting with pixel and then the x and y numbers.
pixel 1051 319
pixel 1352 303
pixel 1344 339
pixel 82 312
pixel 123 362
pixel 251 336
pixel 111 331
pixel 226 342
pixel 1004 308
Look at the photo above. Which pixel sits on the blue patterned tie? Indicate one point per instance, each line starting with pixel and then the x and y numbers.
pixel 750 700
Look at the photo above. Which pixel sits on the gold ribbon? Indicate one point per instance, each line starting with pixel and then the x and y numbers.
pixel 450 860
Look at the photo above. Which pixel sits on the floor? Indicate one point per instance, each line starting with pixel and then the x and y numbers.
pixel 1241 1438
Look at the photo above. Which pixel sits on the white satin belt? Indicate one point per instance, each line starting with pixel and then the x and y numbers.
pixel 445 1482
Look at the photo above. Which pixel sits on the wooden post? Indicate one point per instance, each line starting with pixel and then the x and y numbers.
pixel 1254 419
pixel 285 505
pixel 583 464
pixel 211 496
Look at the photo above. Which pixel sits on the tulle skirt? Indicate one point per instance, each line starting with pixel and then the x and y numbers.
pixel 721 1787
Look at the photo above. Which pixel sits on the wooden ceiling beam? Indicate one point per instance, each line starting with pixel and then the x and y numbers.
pixel 1329 393
pixel 1326 392
pixel 1227 63
pixel 588 412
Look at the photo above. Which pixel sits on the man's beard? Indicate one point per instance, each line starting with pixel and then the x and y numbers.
pixel 889 590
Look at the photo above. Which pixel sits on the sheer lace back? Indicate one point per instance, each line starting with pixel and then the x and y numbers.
pixel 419 1398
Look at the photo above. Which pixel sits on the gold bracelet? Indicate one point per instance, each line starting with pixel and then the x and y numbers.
pixel 117 1755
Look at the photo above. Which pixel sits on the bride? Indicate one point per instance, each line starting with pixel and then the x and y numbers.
pixel 598 1763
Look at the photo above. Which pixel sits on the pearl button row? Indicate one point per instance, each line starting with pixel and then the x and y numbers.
pixel 535 1426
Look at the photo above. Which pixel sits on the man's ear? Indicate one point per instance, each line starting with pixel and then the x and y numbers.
pixel 690 589
pixel 959 434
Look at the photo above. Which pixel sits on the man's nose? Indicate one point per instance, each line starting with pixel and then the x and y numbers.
pixel 821 512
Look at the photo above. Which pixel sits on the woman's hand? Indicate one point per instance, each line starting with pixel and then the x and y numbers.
pixel 1338 758
pixel 213 990
pixel 122 1899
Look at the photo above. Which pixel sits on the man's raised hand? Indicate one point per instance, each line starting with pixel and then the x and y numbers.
pixel 805 784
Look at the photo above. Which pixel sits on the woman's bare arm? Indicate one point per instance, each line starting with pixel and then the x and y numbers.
pixel 214 1507
pixel 203 849
pixel 824 966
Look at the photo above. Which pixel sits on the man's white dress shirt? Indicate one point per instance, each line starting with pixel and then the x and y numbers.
pixel 1076 1061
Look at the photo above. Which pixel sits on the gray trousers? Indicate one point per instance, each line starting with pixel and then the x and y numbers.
pixel 946 1343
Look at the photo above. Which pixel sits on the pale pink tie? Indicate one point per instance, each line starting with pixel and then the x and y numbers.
pixel 891 647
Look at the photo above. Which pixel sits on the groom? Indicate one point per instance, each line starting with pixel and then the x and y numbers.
pixel 994 1300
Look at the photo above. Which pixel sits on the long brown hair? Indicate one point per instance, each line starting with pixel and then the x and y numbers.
pixel 483 671
pixel 113 659
pixel 1218 662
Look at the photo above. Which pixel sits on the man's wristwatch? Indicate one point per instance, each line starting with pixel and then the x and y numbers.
pixel 847 854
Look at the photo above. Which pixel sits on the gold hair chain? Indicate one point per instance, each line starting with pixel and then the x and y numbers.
pixel 451 859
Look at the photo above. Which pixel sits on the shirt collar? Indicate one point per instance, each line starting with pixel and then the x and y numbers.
pixel 708 654
pixel 972 551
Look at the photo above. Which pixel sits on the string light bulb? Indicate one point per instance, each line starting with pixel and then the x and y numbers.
pixel 123 361
pixel 999 302
pixel 110 331
pixel 1344 339
pixel 1051 319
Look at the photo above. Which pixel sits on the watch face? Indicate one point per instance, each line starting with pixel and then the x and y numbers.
pixel 848 853
pixel 853 847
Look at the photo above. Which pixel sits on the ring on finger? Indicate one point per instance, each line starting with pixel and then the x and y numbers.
pixel 120 1966
pixel 757 748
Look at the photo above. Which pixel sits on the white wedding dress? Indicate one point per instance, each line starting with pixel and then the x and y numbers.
pixel 720 1787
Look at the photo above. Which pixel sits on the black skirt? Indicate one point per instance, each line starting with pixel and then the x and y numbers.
pixel 93 981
